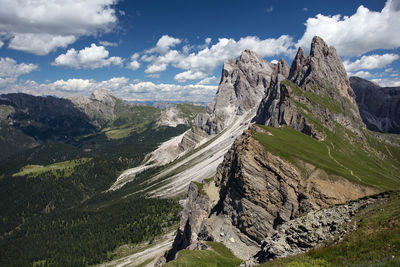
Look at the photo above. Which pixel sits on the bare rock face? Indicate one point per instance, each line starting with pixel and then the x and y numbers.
pixel 316 86
pixel 379 106
pixel 323 66
pixel 99 107
pixel 309 231
pixel 191 227
pixel 259 191
pixel 243 84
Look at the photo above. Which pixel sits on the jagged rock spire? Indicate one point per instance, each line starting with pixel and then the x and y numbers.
pixel 242 86
pixel 322 67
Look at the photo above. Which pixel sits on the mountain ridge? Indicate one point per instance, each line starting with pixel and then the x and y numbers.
pixel 313 152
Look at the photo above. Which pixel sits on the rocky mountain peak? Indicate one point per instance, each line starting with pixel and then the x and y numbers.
pixel 323 67
pixel 104 96
pixel 243 83
pixel 280 72
pixel 297 64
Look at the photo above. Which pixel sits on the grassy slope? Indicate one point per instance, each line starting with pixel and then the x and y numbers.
pixel 375 243
pixel 216 255
pixel 336 156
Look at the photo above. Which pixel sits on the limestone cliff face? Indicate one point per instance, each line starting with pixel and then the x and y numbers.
pixel 379 106
pixel 316 86
pixel 259 190
pixel 191 227
pixel 323 67
pixel 243 84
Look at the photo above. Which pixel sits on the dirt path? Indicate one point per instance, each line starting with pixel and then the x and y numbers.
pixel 340 164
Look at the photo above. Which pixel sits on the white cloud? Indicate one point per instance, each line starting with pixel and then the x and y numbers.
pixel 364 31
pixel 40 27
pixel 106 43
pixel 362 74
pixel 209 58
pixel 274 61
pixel 92 57
pixel 189 75
pixel 38 43
pixel 10 68
pixel 370 62
pixel 270 9
pixel 1 44
pixel 119 86
pixel 387 82
pixel 164 44
pixel 305 9
pixel 153 68
pixel 134 64
pixel 208 80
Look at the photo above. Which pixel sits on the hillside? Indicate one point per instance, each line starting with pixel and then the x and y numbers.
pixel 52 196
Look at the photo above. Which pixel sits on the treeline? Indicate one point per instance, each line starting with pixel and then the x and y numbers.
pixel 79 237
pixel 65 220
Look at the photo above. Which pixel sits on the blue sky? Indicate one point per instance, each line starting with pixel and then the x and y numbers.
pixel 174 50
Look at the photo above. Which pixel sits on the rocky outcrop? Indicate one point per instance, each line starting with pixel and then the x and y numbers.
pixel 192 229
pixel 379 106
pixel 259 190
pixel 313 229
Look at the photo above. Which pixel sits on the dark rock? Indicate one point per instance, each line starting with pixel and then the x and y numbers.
pixel 379 106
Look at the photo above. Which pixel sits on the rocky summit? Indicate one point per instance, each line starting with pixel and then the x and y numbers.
pixel 309 153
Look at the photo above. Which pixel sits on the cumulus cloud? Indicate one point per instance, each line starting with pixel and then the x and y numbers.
pixel 208 58
pixel 134 64
pixel 153 68
pixel 370 62
pixel 10 70
pixel 1 44
pixel 119 86
pixel 92 57
pixel 385 82
pixel 189 75
pixel 40 27
pixel 164 44
pixel 208 80
pixel 364 31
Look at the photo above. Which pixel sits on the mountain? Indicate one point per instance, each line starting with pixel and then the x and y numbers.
pixel 196 154
pixel 308 155
pixel 379 106
pixel 58 158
